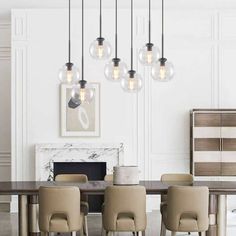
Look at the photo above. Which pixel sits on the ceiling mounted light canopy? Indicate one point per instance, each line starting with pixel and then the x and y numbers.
pixel 69 73
pixel 163 70
pixel 100 49
pixel 81 92
pixel 115 69
pixel 132 82
pixel 149 54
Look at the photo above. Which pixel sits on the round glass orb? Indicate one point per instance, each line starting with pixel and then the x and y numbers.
pixel 82 95
pixel 162 73
pixel 68 76
pixel 100 50
pixel 149 55
pixel 132 82
pixel 114 71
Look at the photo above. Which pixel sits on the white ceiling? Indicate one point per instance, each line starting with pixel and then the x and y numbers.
pixel 7 5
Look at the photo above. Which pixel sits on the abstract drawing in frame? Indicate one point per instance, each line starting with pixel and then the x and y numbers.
pixel 84 120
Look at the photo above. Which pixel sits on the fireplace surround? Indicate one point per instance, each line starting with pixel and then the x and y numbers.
pixel 48 154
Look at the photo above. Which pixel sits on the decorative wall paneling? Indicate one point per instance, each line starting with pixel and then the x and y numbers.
pixel 5 97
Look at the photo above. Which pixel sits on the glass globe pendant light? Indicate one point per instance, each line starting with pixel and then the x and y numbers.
pixel 69 73
pixel 115 69
pixel 100 49
pixel 132 82
pixel 162 70
pixel 149 53
pixel 81 92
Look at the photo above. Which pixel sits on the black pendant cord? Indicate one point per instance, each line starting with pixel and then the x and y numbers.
pixel 149 22
pixel 162 29
pixel 82 42
pixel 116 40
pixel 100 19
pixel 132 35
pixel 69 41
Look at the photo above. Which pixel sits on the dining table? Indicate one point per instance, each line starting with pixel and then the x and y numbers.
pixel 27 192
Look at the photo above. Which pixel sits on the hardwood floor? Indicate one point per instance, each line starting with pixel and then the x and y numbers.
pixel 8 226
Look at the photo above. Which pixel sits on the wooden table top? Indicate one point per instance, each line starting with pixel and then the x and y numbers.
pixel 98 187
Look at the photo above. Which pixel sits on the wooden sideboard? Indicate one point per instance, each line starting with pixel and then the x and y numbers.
pixel 213 142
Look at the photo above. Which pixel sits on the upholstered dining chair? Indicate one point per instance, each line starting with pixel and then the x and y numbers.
pixel 186 210
pixel 59 210
pixel 124 209
pixel 108 177
pixel 84 206
pixel 174 179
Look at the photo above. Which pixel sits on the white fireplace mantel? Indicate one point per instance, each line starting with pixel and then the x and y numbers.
pixel 47 154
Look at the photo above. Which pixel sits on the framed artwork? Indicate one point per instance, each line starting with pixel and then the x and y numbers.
pixel 84 120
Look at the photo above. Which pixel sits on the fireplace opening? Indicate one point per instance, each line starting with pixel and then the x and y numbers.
pixel 93 170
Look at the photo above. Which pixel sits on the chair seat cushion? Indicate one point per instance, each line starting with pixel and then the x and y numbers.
pixel 58 223
pixel 125 222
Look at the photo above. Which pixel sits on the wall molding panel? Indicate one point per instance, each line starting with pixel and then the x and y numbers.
pixel 19 95
pixel 5 63
pixel 19 26
pixel 19 112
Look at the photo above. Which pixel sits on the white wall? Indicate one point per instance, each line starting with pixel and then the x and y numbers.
pixel 154 125
pixel 5 105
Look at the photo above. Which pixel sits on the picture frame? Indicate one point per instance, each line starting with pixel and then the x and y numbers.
pixel 83 121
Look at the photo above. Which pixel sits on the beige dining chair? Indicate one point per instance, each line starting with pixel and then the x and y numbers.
pixel 84 206
pixel 124 209
pixel 108 177
pixel 174 179
pixel 186 210
pixel 59 210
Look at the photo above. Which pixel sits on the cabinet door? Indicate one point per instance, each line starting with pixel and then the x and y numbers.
pixel 228 144
pixel 207 144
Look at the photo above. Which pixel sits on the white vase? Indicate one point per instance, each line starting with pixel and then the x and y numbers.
pixel 126 175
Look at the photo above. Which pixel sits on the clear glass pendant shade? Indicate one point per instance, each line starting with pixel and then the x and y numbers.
pixel 68 75
pixel 148 56
pixel 82 95
pixel 132 82
pixel 115 71
pixel 162 72
pixel 100 50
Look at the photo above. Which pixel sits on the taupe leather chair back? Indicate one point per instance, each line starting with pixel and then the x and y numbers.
pixel 177 177
pixel 122 200
pixel 72 178
pixel 61 203
pixel 80 178
pixel 187 209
